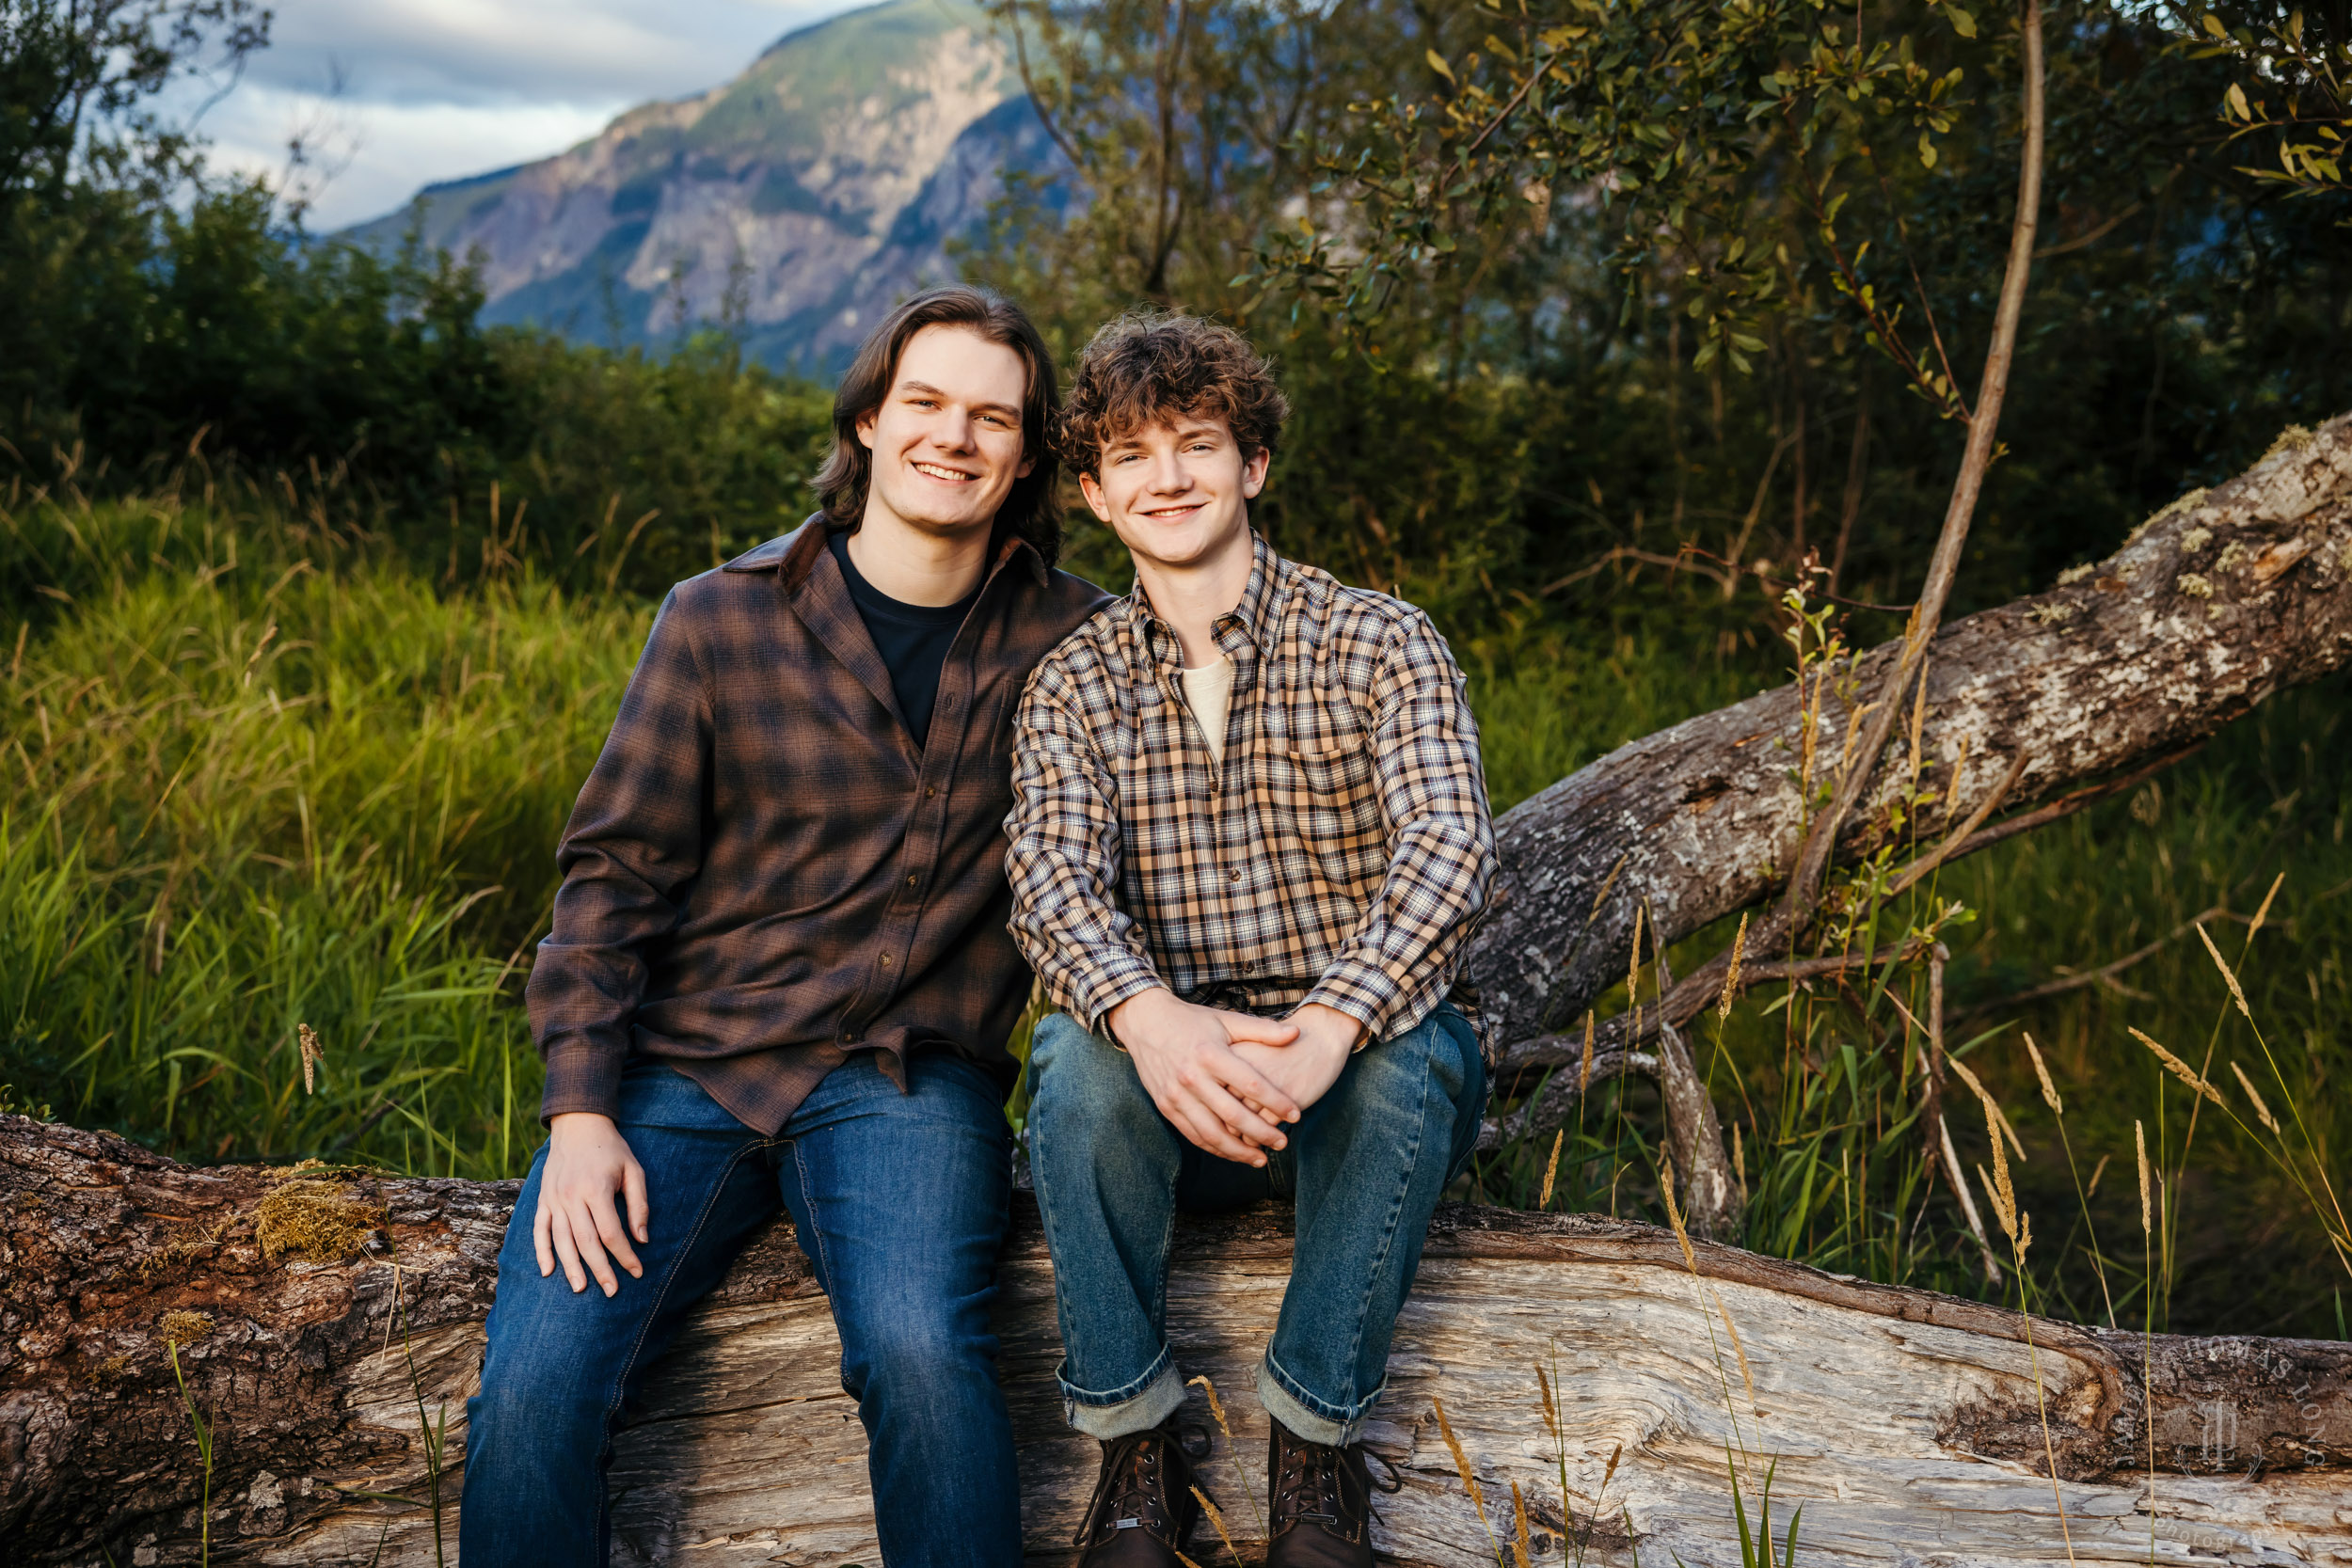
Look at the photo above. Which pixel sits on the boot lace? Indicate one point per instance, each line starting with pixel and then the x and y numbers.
pixel 1132 1494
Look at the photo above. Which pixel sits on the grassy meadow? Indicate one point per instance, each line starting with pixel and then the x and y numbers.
pixel 256 772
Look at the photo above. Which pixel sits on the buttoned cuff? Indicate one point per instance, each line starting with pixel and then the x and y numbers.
pixel 1365 993
pixel 582 1075
pixel 1103 989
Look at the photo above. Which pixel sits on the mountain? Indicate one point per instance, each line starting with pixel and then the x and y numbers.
pixel 812 191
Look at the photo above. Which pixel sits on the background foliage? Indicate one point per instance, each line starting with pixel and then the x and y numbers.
pixel 323 594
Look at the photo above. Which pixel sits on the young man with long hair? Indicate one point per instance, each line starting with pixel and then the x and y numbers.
pixel 779 970
pixel 1251 840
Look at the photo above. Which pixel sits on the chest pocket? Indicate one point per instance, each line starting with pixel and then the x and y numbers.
pixel 1327 790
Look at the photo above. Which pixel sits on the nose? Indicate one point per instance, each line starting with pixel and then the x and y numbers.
pixel 953 432
pixel 1168 475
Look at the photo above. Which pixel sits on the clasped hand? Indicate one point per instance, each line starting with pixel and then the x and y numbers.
pixel 1231 1081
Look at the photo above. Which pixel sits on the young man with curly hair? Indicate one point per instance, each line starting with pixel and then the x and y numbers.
pixel 1249 842
pixel 779 974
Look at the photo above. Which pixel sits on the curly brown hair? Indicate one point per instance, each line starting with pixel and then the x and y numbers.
pixel 1148 365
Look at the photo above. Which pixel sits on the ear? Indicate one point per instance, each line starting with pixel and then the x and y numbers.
pixel 1092 488
pixel 1253 472
pixel 1028 464
pixel 865 424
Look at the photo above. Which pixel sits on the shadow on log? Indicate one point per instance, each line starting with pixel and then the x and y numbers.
pixel 1905 1423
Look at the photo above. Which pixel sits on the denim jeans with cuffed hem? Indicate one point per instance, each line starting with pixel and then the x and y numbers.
pixel 900 1201
pixel 1364 1166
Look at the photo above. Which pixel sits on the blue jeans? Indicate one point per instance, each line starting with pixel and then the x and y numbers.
pixel 1365 1165
pixel 901 1203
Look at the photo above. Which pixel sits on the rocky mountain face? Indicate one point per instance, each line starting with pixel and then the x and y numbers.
pixel 817 187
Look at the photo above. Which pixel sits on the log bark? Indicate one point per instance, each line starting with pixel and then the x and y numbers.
pixel 1906 1423
pixel 2220 599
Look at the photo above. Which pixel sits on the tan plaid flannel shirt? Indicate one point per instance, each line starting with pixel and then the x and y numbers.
pixel 1341 854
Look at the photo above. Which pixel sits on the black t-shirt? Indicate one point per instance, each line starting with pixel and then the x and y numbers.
pixel 913 639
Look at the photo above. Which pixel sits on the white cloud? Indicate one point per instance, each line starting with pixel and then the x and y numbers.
pixel 367 159
pixel 396 94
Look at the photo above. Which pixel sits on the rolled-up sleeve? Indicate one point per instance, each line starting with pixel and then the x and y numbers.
pixel 634 841
pixel 1064 858
pixel 1403 956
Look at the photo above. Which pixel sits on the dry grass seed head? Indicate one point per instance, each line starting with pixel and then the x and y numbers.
pixel 2147 1205
pixel 1461 1459
pixel 2042 1071
pixel 1633 972
pixel 1551 1169
pixel 1731 977
pixel 1520 1538
pixel 1585 1082
pixel 2004 1193
pixel 1674 1211
pixel 2261 1109
pixel 2227 974
pixel 2263 914
pixel 1993 1114
pixel 314 1217
pixel 2179 1069
pixel 1217 1521
pixel 1217 1406
pixel 1551 1406
pixel 312 1054
pixel 1747 1374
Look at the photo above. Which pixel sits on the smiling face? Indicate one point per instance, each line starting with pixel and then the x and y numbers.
pixel 947 439
pixel 1177 491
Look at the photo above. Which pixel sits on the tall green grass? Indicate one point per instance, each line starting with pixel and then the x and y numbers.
pixel 256 772
pixel 248 788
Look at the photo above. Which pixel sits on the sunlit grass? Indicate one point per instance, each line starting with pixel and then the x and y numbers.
pixel 253 775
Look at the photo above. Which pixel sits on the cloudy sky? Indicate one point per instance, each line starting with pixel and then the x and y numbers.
pixel 394 94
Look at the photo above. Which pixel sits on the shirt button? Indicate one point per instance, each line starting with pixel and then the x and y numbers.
pixel 912 880
pixel 885 960
pixel 930 790
pixel 849 1039
pixel 1234 877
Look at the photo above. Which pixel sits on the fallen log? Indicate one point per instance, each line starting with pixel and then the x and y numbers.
pixel 2220 599
pixel 329 1325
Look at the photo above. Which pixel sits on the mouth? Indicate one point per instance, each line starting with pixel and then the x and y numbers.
pixel 1175 514
pixel 946 475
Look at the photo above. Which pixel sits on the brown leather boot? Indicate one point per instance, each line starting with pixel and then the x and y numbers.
pixel 1143 1508
pixel 1321 1502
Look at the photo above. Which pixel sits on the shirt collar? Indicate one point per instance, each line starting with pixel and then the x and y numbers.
pixel 794 555
pixel 1253 617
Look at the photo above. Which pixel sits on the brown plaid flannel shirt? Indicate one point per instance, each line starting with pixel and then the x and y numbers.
pixel 1341 853
pixel 764 873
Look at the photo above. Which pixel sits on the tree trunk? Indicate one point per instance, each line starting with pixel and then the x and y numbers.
pixel 2220 599
pixel 1903 1421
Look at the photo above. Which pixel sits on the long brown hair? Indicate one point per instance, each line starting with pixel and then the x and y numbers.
pixel 1028 509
